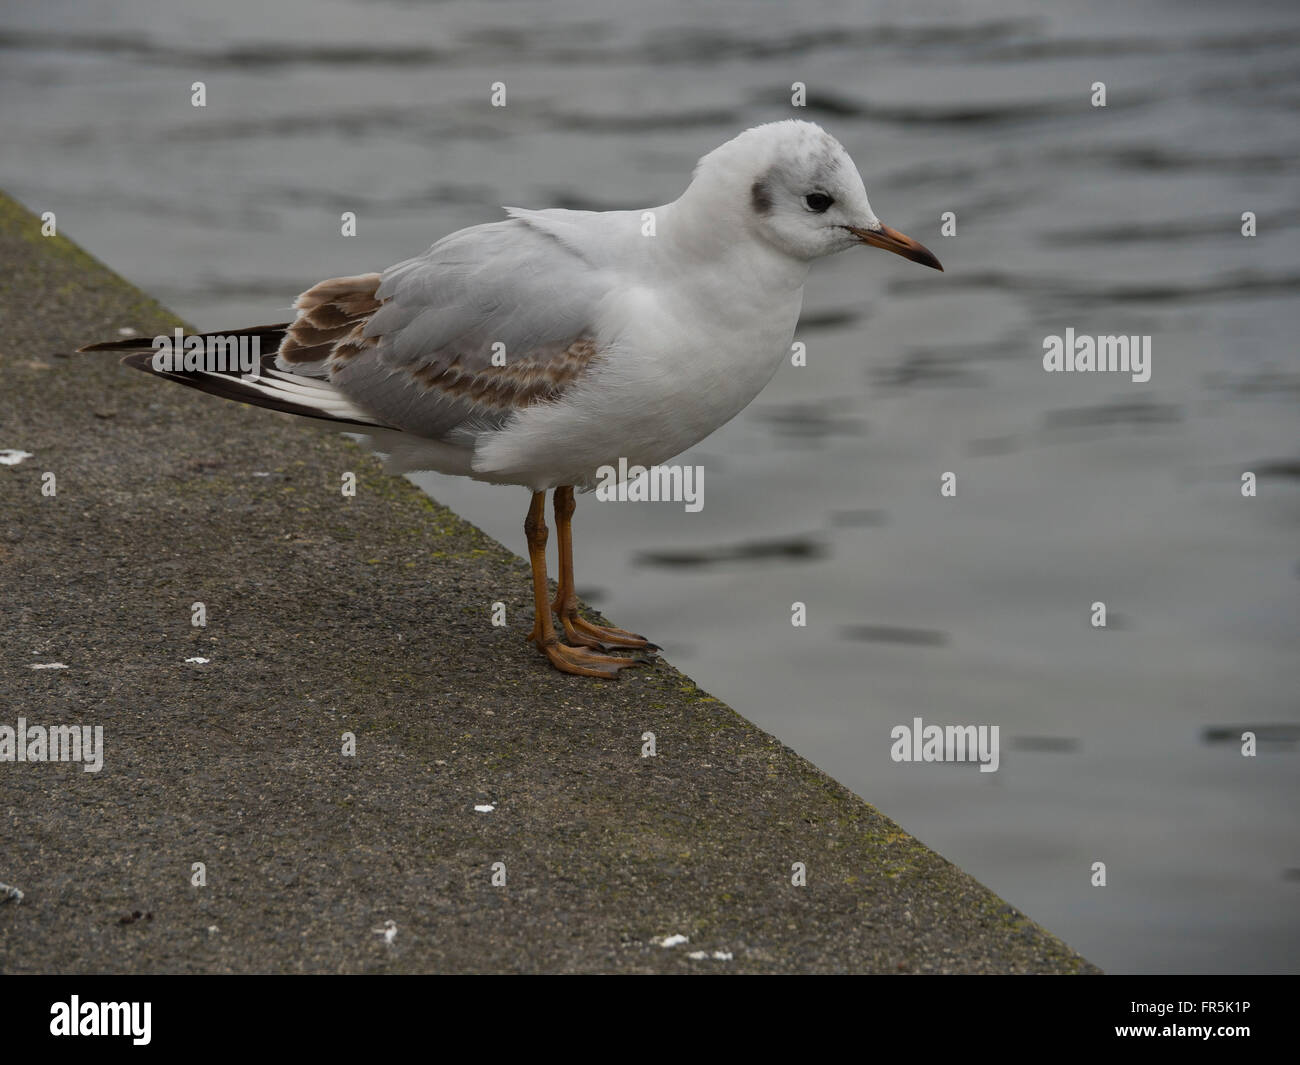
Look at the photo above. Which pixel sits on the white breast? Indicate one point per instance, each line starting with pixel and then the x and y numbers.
pixel 677 370
pixel 688 339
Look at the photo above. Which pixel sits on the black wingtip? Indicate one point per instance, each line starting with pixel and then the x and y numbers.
pixel 140 360
pixel 234 387
pixel 138 342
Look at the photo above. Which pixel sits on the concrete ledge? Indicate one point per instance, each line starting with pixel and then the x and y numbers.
pixel 370 615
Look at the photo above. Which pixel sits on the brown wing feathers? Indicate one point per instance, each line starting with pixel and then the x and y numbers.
pixel 331 318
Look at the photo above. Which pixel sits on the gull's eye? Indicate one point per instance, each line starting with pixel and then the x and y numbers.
pixel 818 201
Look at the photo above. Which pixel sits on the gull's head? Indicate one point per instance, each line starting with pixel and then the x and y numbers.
pixel 793 184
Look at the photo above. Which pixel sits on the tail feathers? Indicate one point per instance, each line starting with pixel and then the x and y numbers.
pixel 275 389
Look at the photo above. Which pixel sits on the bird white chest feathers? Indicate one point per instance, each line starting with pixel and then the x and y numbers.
pixel 680 358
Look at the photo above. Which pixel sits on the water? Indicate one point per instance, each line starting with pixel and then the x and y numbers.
pixel 1119 745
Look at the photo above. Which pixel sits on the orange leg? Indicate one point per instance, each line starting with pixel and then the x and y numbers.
pixel 577 629
pixel 579 660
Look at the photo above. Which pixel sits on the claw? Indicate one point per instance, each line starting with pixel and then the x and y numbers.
pixel 584 663
pixel 605 638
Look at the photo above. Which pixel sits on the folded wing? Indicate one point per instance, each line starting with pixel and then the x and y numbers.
pixel 449 344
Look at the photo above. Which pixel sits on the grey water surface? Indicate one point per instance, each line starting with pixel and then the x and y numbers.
pixel 1119 744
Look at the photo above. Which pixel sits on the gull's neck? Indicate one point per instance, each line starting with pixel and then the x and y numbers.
pixel 712 232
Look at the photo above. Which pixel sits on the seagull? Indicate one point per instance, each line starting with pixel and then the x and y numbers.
pixel 539 349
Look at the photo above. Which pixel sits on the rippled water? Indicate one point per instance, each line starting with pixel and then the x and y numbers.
pixel 1120 745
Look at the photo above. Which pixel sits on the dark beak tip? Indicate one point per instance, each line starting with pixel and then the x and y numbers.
pixel 919 253
pixel 900 244
pixel 923 256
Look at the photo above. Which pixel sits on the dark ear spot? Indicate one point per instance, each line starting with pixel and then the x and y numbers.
pixel 760 197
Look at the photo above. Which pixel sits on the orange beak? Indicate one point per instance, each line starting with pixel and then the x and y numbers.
pixel 898 243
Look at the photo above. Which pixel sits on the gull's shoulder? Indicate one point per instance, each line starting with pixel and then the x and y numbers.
pixel 600 237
